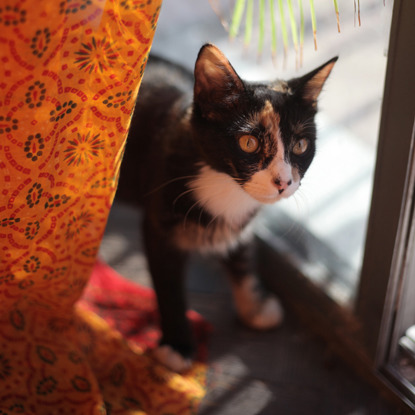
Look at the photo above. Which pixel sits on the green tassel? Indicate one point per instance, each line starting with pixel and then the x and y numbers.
pixel 238 11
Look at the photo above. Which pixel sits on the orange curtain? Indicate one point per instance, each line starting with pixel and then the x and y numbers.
pixel 70 73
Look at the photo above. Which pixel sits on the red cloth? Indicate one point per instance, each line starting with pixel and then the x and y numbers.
pixel 132 309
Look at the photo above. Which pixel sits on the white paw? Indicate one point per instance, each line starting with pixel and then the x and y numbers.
pixel 172 359
pixel 256 311
pixel 268 315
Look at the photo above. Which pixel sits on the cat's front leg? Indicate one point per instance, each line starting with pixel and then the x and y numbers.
pixel 256 308
pixel 167 268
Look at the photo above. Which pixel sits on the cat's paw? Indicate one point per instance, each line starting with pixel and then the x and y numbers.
pixel 256 309
pixel 268 315
pixel 171 359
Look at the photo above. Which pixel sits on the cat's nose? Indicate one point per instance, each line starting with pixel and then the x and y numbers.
pixel 282 185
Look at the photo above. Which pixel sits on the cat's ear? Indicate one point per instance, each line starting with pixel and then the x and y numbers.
pixel 217 86
pixel 311 84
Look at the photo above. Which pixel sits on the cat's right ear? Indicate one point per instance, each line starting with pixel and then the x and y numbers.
pixel 310 85
pixel 218 87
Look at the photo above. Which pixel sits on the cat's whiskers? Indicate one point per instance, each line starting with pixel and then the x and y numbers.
pixel 302 194
pixel 213 220
pixel 167 183
pixel 296 230
pixel 181 195
pixel 301 200
pixel 203 205
pixel 187 213
pixel 219 215
pixel 198 202
pixel 295 197
pixel 295 227
pixel 192 189
pixel 200 218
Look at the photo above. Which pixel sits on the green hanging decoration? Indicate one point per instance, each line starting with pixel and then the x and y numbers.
pixel 295 19
pixel 249 23
pixel 336 9
pixel 238 12
pixel 313 23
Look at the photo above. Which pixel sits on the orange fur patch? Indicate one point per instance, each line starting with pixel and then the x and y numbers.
pixel 270 119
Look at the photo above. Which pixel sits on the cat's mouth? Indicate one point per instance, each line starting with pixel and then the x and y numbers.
pixel 271 198
pixel 268 199
pixel 273 184
pixel 269 194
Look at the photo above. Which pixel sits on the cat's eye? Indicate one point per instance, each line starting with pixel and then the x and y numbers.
pixel 300 147
pixel 248 143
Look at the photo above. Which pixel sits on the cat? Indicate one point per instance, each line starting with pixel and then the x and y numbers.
pixel 204 153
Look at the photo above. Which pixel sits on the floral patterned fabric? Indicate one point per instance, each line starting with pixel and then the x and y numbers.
pixel 70 72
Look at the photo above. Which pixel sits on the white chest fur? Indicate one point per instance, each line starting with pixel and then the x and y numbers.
pixel 230 207
pixel 222 197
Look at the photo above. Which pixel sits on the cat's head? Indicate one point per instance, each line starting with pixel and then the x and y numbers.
pixel 261 134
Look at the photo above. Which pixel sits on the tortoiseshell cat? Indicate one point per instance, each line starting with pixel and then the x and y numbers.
pixel 203 155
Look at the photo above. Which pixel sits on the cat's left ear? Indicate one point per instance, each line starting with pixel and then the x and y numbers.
pixel 311 84
pixel 218 87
